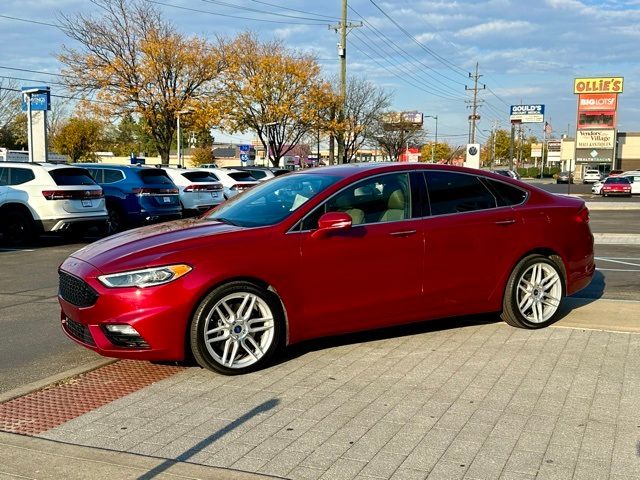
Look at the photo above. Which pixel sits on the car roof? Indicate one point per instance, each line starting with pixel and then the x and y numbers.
pixel 46 165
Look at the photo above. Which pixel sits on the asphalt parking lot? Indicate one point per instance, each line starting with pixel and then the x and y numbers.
pixel 468 398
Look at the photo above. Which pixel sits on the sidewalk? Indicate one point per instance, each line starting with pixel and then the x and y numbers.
pixel 447 399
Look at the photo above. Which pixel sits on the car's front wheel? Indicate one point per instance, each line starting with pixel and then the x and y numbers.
pixel 237 328
pixel 533 294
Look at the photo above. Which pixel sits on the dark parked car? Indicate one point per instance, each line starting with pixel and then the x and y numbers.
pixel 136 195
pixel 350 247
pixel 564 177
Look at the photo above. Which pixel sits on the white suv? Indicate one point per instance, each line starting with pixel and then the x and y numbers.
pixel 233 181
pixel 43 197
pixel 591 176
pixel 199 190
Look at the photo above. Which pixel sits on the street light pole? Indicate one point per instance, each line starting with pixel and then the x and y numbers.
pixel 433 147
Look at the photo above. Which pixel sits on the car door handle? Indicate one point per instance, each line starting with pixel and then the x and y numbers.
pixel 508 221
pixel 404 233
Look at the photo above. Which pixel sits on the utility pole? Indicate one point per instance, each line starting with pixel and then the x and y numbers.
pixel 494 130
pixel 474 105
pixel 342 55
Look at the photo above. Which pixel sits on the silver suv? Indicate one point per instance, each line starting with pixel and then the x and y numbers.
pixel 44 197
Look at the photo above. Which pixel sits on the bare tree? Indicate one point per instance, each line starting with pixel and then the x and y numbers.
pixel 9 102
pixel 135 62
pixel 364 105
pixel 395 138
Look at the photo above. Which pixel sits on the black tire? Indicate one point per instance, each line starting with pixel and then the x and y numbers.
pixel 18 228
pixel 233 331
pixel 116 221
pixel 516 310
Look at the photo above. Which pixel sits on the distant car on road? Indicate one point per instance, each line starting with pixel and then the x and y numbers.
pixel 616 186
pixel 45 197
pixel 591 176
pixel 136 195
pixel 564 177
pixel 350 248
pixel 199 190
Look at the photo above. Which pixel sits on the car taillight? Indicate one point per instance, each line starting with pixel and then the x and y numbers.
pixel 203 188
pixel 71 194
pixel 583 215
pixel 155 191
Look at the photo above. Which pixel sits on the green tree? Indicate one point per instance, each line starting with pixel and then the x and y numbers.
pixel 79 138
pixel 441 152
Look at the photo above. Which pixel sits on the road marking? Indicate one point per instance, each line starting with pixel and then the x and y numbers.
pixel 11 250
pixel 611 260
pixel 616 270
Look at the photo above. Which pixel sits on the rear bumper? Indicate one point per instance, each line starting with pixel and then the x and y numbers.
pixel 63 224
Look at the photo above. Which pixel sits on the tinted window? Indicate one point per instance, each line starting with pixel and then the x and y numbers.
pixel 257 174
pixel 112 176
pixel 617 180
pixel 506 195
pixel 280 172
pixel 4 176
pixel 241 176
pixel 72 176
pixel 452 192
pixel 385 198
pixel 200 177
pixel 155 177
pixel 96 173
pixel 273 201
pixel 20 175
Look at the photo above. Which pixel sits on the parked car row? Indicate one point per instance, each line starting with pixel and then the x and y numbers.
pixel 40 197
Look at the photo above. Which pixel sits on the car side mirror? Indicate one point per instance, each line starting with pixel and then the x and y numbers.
pixel 331 222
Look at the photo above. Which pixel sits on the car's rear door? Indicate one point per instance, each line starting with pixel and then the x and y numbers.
pixel 471 240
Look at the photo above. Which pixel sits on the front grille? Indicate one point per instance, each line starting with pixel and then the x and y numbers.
pixel 76 291
pixel 79 331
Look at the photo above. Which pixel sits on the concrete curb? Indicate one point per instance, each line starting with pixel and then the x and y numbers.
pixel 617 238
pixel 31 457
pixel 600 314
pixel 53 379
pixel 613 205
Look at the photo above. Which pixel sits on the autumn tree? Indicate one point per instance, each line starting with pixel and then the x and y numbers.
pixel 79 138
pixel 274 91
pixel 135 62
pixel 438 151
pixel 364 105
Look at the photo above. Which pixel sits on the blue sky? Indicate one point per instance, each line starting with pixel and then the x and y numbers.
pixel 422 51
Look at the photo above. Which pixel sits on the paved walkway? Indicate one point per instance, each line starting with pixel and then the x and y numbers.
pixel 450 399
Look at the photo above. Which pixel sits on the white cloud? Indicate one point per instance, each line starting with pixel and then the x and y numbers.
pixel 517 27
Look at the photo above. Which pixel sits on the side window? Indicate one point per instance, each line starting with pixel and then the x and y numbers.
pixel 453 192
pixel 112 175
pixel 257 174
pixel 20 175
pixel 506 195
pixel 96 173
pixel 4 176
pixel 385 198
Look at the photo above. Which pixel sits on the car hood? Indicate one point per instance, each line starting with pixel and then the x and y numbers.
pixel 149 245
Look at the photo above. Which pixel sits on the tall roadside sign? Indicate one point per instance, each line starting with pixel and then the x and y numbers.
pixel 596 125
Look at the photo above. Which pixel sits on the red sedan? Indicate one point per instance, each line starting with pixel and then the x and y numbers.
pixel 616 186
pixel 323 252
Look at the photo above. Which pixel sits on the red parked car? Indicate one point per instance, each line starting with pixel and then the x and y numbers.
pixel 616 186
pixel 327 251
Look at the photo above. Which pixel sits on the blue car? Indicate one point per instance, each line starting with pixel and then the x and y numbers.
pixel 136 195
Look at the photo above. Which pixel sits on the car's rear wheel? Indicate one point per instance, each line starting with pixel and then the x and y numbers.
pixel 533 294
pixel 18 228
pixel 237 328
pixel 116 220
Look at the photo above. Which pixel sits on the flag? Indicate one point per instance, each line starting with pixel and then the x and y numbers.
pixel 547 127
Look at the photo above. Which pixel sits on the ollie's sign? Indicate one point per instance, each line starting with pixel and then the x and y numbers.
pixel 598 85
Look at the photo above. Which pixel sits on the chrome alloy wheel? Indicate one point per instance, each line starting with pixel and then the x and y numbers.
pixel 539 292
pixel 239 330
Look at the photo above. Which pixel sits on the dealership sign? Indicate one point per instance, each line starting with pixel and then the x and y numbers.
pixel 527 113
pixel 595 138
pixel 594 155
pixel 599 102
pixel 598 85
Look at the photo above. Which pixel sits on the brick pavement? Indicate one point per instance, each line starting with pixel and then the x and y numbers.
pixel 475 401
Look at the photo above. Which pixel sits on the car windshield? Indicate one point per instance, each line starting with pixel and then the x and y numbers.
pixel 241 176
pixel 155 177
pixel 72 176
pixel 273 201
pixel 617 180
pixel 199 177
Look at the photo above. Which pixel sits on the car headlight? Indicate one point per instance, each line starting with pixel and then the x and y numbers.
pixel 147 277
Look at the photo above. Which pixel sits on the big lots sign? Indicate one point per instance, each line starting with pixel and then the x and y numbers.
pixel 600 102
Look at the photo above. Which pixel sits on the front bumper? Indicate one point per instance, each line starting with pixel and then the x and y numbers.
pixel 159 314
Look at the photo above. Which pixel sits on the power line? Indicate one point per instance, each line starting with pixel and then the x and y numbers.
pixel 441 59
pixel 37 22
pixel 230 16
pixel 294 10
pixel 255 10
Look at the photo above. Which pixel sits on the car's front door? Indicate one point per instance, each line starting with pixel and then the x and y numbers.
pixel 369 275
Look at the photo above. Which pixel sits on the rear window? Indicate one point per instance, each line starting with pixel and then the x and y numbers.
pixel 242 176
pixel 155 177
pixel 199 177
pixel 72 176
